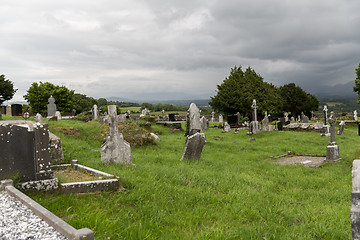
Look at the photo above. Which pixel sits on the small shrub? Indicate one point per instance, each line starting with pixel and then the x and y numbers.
pixel 84 116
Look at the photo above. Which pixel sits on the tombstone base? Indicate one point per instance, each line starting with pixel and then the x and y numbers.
pixel 332 153
pixel 355 215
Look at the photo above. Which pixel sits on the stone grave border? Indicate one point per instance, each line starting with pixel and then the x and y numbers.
pixel 293 154
pixel 110 183
pixel 57 223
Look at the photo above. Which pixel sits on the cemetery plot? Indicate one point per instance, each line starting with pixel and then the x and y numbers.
pixel 306 160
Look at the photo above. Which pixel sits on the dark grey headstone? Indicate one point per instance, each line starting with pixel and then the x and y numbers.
pixel 193 147
pixel 16 109
pixel 2 109
pixel 172 117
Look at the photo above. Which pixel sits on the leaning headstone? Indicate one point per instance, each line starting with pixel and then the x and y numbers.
pixel 194 119
pixel 8 110
pixel 221 118
pixel 56 150
pixel 332 151
pixel 194 146
pixel 204 123
pixel 227 128
pixel 39 118
pixel 355 200
pixel 25 150
pixel 58 115
pixel 51 107
pixel 341 128
pixel 95 112
pixel 115 149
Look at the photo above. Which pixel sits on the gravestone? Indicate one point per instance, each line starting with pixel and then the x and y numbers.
pixel 221 118
pixel 292 119
pixel 325 114
pixel 39 118
pixel 56 150
pixel 122 117
pixel 212 117
pixel 95 112
pixel 355 200
pixel 115 149
pixel 227 128
pixel 16 109
pixel 254 125
pixel 8 110
pixel 355 115
pixel 286 116
pixel 341 128
pixel 58 115
pixel 172 117
pixel 326 128
pixel 194 119
pixel 204 123
pixel 332 150
pixel 51 107
pixel 145 112
pixel 24 149
pixel 265 123
pixel 232 120
pixel 194 146
pixel 280 126
pixel 238 118
pixel 2 109
pixel 304 118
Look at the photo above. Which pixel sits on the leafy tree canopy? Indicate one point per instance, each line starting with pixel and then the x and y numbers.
pixel 7 90
pixel 357 82
pixel 82 103
pixel 237 92
pixel 38 95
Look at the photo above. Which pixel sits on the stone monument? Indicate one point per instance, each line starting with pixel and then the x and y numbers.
pixel 204 123
pixel 227 128
pixel 332 151
pixel 8 110
pixel 221 118
pixel 115 149
pixel 51 107
pixel 286 116
pixel 194 119
pixel 355 116
pixel 341 128
pixel 254 125
pixel 95 112
pixel 212 117
pixel 39 118
pixel 193 147
pixel 326 128
pixel 355 200
pixel 265 123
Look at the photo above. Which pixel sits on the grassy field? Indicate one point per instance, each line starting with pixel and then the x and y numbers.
pixel 234 192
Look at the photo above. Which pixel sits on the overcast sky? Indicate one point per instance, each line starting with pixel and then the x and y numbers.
pixel 176 49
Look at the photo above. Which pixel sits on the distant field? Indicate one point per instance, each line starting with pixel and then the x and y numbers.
pixel 132 109
pixel 332 104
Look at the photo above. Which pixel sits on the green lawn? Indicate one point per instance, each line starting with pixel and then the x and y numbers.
pixel 234 192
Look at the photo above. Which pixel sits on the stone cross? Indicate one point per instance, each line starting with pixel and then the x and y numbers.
pixel 212 117
pixel 355 115
pixel 332 121
pixel 254 107
pixel 95 112
pixel 51 107
pixel 325 114
pixel 115 149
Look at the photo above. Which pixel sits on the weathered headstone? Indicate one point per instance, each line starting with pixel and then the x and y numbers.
pixel 341 128
pixel 286 116
pixel 238 118
pixel 145 112
pixel 292 119
pixel 355 201
pixel 16 109
pixel 265 123
pixel 172 117
pixel 95 112
pixel 212 117
pixel 2 109
pixel 8 110
pixel 51 107
pixel 115 149
pixel 254 125
pixel 204 123
pixel 325 114
pixel 232 120
pixel 122 117
pixel 332 151
pixel 39 118
pixel 227 128
pixel 194 119
pixel 194 146
pixel 355 115
pixel 58 115
pixel 304 118
pixel 221 118
pixel 280 126
pixel 25 150
pixel 326 128
pixel 56 150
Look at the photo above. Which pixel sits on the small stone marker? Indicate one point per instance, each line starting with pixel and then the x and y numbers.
pixel 286 116
pixel 341 128
pixel 51 107
pixel 204 123
pixel 8 110
pixel 325 114
pixel 332 151
pixel 95 112
pixel 193 147
pixel 265 123
pixel 238 118
pixel 115 149
pixel 194 117
pixel 58 115
pixel 355 200
pixel 292 119
pixel 212 117
pixel 227 128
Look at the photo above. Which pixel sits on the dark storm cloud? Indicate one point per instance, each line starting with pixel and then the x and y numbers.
pixel 143 47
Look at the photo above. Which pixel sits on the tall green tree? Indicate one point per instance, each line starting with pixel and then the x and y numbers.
pixel 7 90
pixel 357 82
pixel 38 95
pixel 82 102
pixel 238 90
pixel 296 100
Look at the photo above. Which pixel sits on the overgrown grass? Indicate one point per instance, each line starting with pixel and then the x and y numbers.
pixel 234 192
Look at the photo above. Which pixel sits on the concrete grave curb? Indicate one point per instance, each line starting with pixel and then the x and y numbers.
pixel 57 223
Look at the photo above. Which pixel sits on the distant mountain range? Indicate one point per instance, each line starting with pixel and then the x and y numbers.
pixel 198 102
